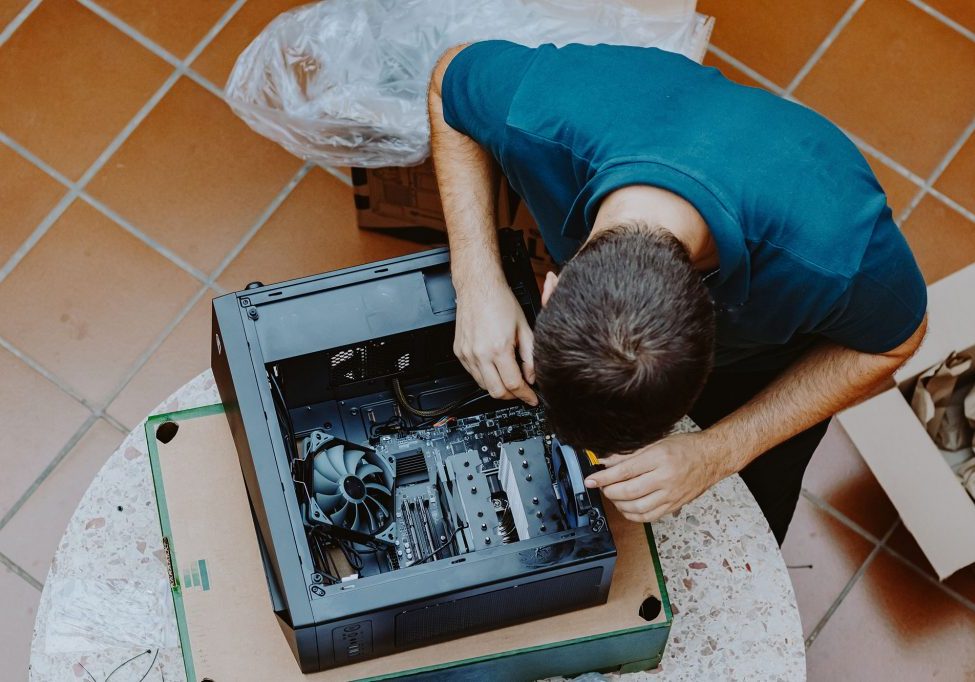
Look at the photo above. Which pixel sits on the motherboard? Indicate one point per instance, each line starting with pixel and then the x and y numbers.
pixel 436 491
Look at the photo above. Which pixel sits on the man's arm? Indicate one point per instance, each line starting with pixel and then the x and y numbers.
pixel 490 322
pixel 666 475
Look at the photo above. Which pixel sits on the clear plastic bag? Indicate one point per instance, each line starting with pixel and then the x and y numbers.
pixel 344 82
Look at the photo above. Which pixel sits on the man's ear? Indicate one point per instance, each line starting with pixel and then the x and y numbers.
pixel 548 288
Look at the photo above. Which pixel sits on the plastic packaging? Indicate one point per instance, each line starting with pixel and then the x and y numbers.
pixel 344 82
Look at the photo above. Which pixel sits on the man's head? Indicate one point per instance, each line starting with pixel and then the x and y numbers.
pixel 624 344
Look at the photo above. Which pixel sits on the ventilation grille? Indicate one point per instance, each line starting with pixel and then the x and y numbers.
pixel 369 360
pixel 495 609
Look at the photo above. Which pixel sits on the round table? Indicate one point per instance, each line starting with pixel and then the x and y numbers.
pixel 106 599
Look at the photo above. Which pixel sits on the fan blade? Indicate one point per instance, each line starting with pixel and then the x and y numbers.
pixel 352 459
pixel 324 466
pixel 379 488
pixel 380 513
pixel 367 468
pixel 356 523
pixel 338 518
pixel 367 518
pixel 323 484
pixel 328 503
pixel 334 454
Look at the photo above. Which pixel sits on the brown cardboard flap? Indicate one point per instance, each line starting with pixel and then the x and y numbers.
pixel 226 611
pixel 932 503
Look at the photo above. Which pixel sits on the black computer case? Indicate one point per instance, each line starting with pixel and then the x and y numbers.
pixel 395 506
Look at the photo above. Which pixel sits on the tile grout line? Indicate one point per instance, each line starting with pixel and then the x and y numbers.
pixel 20 572
pixel 58 458
pixel 53 215
pixel 143 358
pixel 938 170
pixel 825 506
pixel 210 281
pixel 265 215
pixel 960 598
pixel 943 18
pixel 114 145
pixel 101 207
pixel 181 65
pixel 818 502
pixel 53 378
pixel 184 67
pixel 156 246
pixel 952 203
pixel 862 144
pixel 877 548
pixel 825 45
pixel 19 19
pixel 745 69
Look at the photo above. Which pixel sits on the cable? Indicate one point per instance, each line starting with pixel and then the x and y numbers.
pixel 439 412
pixel 442 547
pixel 481 395
pixel 280 403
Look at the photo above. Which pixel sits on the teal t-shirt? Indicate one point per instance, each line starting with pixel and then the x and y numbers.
pixel 807 246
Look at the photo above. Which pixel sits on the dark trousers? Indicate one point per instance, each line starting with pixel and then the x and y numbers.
pixel 775 477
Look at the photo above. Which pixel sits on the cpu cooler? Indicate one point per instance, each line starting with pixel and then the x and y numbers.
pixel 349 486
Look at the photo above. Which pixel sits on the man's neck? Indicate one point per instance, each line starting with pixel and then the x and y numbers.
pixel 662 209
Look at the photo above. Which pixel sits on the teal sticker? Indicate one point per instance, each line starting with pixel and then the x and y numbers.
pixel 197 576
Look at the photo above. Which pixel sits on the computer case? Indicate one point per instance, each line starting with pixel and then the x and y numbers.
pixel 395 504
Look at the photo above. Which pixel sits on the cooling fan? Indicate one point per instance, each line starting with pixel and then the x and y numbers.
pixel 569 483
pixel 350 486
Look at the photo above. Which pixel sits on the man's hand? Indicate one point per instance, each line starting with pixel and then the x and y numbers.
pixel 490 327
pixel 660 478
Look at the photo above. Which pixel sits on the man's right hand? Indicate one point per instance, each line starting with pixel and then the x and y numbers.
pixel 491 326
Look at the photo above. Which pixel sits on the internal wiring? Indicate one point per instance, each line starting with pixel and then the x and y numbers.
pixel 442 547
pixel 480 395
pixel 438 412
pixel 282 406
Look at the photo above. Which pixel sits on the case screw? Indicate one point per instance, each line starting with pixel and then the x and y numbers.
pixel 353 411
pixel 316 577
pixel 252 313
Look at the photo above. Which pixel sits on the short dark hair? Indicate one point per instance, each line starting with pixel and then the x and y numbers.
pixel 626 342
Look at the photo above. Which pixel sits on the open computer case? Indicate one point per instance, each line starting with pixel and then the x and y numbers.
pixel 397 505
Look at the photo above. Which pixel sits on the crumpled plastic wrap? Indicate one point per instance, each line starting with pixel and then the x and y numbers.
pixel 344 82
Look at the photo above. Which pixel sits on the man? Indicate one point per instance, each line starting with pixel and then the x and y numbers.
pixel 728 254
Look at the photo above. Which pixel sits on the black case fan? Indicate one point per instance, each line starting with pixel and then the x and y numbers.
pixel 349 486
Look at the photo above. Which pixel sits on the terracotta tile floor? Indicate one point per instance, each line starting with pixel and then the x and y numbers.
pixel 130 195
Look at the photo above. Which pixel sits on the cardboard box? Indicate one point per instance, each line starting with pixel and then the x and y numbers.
pixel 405 202
pixel 931 501
pixel 228 630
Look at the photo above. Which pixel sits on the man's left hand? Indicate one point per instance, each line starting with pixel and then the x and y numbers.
pixel 660 478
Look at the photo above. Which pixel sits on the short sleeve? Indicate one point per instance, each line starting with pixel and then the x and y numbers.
pixel 887 298
pixel 478 87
